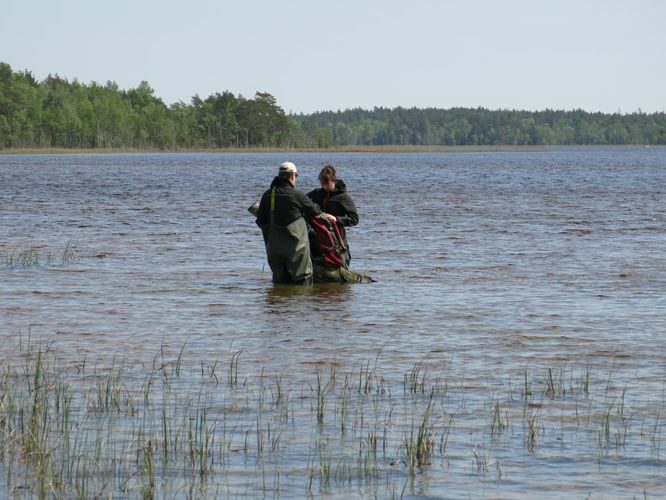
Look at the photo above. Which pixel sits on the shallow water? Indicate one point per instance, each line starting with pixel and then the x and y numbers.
pixel 488 266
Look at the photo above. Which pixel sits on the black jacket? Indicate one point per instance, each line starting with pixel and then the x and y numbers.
pixel 337 203
pixel 290 204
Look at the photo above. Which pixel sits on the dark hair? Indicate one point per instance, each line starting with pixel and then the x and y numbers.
pixel 327 174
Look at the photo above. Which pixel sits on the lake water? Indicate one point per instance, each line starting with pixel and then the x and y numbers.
pixel 520 301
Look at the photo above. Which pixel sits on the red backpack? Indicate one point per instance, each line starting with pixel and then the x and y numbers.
pixel 327 238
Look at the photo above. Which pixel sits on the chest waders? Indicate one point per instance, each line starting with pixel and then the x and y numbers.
pixel 288 249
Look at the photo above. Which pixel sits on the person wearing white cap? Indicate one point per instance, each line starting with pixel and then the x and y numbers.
pixel 281 218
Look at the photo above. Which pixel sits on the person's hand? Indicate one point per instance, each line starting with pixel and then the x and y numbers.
pixel 331 218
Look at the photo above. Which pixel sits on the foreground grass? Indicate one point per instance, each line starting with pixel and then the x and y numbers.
pixel 84 429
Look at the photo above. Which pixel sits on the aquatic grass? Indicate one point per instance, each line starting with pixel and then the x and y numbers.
pixel 232 378
pixel 585 380
pixel 481 458
pixel 343 409
pixel 87 430
pixel 165 365
pixel 416 380
pixel 322 391
pixel 110 394
pixel 532 432
pixel 613 424
pixel 527 387
pixel 365 377
pixel 31 256
pixel 499 421
pixel 20 258
pixel 71 253
pixel 420 442
pixel 279 393
pixel 445 436
pixel 325 469
pixel 652 432
pixel 148 472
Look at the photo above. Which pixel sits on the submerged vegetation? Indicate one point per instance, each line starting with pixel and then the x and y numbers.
pixel 30 256
pixel 58 113
pixel 175 427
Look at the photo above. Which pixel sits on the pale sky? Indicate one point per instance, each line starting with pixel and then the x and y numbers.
pixel 312 55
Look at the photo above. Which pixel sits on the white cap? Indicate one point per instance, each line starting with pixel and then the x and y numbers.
pixel 288 166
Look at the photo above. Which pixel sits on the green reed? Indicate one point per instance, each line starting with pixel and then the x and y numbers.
pixel 420 442
pixel 499 419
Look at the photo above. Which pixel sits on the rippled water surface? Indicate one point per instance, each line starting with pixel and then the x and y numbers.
pixel 490 268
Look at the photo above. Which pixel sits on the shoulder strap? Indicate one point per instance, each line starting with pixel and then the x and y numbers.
pixel 272 205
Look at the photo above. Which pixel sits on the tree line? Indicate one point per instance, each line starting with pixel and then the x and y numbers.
pixel 59 113
pixel 476 127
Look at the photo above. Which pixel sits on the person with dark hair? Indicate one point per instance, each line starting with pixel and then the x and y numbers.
pixel 280 215
pixel 333 198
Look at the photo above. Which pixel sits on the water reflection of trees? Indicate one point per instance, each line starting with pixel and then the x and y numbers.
pixel 319 290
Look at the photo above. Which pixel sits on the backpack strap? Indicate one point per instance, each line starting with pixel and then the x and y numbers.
pixel 336 228
pixel 272 205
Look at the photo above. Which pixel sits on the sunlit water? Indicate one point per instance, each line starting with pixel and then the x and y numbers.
pixel 489 266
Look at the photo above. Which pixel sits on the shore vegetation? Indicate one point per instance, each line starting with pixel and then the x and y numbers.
pixel 56 113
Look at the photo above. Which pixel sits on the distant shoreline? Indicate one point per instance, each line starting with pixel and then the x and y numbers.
pixel 338 149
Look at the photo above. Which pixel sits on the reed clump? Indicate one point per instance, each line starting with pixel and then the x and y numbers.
pixel 31 256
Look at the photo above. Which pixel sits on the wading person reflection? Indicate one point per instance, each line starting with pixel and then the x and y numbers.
pixel 281 218
pixel 332 197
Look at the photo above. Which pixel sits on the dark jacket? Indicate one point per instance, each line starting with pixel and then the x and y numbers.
pixel 290 204
pixel 337 203
pixel 340 204
pixel 285 231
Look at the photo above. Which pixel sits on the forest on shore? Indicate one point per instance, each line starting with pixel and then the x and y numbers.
pixel 58 113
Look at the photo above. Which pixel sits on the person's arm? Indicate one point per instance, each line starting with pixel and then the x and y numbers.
pixel 311 209
pixel 262 212
pixel 308 207
pixel 351 214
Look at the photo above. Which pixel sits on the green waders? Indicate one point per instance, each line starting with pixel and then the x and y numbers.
pixel 288 250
